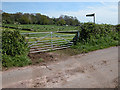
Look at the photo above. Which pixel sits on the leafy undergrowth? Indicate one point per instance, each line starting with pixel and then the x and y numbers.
pixel 16 61
pixel 14 49
pixel 96 36
pixel 86 47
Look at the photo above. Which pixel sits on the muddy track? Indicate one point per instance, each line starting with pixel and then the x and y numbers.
pixel 97 69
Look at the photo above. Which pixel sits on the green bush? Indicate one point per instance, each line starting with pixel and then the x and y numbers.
pixel 96 36
pixel 13 43
pixel 118 29
pixel 95 31
pixel 14 49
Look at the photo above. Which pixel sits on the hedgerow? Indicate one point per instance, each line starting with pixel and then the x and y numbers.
pixel 14 49
pixel 96 36
pixel 91 31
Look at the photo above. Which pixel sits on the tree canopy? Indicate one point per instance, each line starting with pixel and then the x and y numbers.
pixel 27 18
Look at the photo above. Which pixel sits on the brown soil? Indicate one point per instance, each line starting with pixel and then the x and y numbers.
pixel 41 58
pixel 48 57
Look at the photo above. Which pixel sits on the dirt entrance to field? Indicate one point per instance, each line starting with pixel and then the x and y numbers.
pixel 38 58
pixel 47 57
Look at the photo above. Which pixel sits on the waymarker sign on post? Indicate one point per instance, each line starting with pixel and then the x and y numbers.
pixel 91 15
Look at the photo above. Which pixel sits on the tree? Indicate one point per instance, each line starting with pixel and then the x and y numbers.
pixel 61 22
pixel 37 18
pixel 24 20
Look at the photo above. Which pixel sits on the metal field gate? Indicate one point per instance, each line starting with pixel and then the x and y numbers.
pixel 48 41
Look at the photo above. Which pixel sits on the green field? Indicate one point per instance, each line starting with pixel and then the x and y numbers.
pixel 38 36
pixel 41 28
